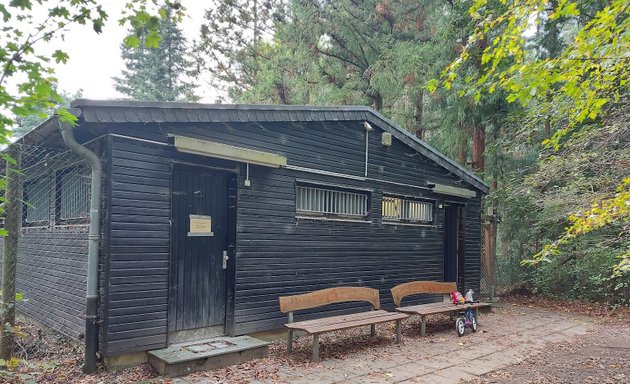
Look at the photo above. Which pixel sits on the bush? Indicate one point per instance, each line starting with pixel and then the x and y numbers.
pixel 584 271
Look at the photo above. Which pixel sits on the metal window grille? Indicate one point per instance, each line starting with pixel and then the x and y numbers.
pixel 398 209
pixel 312 200
pixel 37 204
pixel 74 194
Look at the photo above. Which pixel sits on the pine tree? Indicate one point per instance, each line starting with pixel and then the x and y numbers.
pixel 159 73
pixel 235 42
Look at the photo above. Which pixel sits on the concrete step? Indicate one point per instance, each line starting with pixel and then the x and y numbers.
pixel 202 355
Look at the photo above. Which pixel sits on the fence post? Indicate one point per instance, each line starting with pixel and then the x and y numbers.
pixel 488 253
pixel 12 224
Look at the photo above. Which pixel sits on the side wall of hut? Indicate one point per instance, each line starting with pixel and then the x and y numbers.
pixel 277 252
pixel 52 248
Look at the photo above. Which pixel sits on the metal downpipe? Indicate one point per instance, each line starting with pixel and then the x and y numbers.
pixel 91 335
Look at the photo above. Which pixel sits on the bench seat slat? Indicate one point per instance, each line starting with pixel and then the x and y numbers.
pixel 359 323
pixel 435 308
pixel 346 321
pixel 340 318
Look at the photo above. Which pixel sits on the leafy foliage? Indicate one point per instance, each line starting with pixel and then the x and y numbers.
pixel 29 71
pixel 591 70
pixel 28 122
pixel 571 80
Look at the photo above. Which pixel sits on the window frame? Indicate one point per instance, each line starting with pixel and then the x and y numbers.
pixel 314 215
pixel 412 199
pixel 26 202
pixel 59 174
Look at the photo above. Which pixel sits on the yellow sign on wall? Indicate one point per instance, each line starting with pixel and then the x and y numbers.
pixel 200 225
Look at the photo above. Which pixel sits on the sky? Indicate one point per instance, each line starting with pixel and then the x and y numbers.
pixel 95 58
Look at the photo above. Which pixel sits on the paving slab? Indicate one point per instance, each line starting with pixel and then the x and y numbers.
pixel 510 335
pixel 437 362
pixel 454 374
pixel 406 372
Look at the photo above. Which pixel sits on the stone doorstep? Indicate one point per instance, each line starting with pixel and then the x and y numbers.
pixel 184 358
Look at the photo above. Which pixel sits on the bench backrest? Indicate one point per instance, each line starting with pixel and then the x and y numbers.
pixel 329 296
pixel 401 291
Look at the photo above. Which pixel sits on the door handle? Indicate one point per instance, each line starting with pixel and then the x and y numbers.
pixel 225 259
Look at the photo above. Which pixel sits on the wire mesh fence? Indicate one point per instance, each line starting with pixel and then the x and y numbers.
pixel 47 217
pixel 510 273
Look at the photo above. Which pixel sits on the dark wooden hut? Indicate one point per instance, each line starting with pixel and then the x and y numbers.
pixel 210 212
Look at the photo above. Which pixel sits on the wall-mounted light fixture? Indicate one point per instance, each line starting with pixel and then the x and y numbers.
pixel 386 139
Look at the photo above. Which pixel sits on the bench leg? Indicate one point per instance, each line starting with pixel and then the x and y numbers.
pixel 290 342
pixel 398 330
pixel 373 330
pixel 316 348
pixel 423 326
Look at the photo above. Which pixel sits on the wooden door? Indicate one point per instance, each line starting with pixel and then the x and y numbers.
pixel 199 232
pixel 454 245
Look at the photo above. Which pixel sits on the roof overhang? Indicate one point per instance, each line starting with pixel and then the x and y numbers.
pixel 228 152
pixel 120 111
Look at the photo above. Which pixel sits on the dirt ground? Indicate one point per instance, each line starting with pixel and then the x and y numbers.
pixel 600 356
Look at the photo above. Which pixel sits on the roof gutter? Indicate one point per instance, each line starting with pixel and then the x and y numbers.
pixel 67 133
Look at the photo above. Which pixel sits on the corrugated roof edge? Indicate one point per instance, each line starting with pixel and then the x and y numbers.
pixel 324 114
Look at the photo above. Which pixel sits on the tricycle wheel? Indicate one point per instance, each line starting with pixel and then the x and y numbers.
pixel 460 326
pixel 473 323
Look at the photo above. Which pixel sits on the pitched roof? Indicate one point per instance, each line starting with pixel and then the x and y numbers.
pixel 116 111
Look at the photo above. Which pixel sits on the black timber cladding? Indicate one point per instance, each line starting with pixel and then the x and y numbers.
pixel 51 273
pixel 276 253
pixel 137 282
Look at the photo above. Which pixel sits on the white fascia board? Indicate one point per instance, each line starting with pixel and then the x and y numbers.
pixel 228 152
pixel 454 191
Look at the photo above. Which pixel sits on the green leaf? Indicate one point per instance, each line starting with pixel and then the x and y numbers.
pixel 97 25
pixel 60 56
pixel 152 40
pixel 131 41
pixel 22 4
pixel 6 16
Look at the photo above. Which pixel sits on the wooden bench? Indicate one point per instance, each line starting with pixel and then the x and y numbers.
pixel 401 291
pixel 290 304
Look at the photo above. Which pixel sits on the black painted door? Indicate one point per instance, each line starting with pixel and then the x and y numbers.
pixel 198 277
pixel 454 244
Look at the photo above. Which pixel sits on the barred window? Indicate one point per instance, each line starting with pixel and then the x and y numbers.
pixel 399 209
pixel 36 196
pixel 73 194
pixel 331 202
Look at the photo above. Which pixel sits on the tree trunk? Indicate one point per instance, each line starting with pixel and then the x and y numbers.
pixel 505 248
pixel 419 110
pixel 12 223
pixel 461 155
pixel 478 147
pixel 490 226
pixel 377 102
